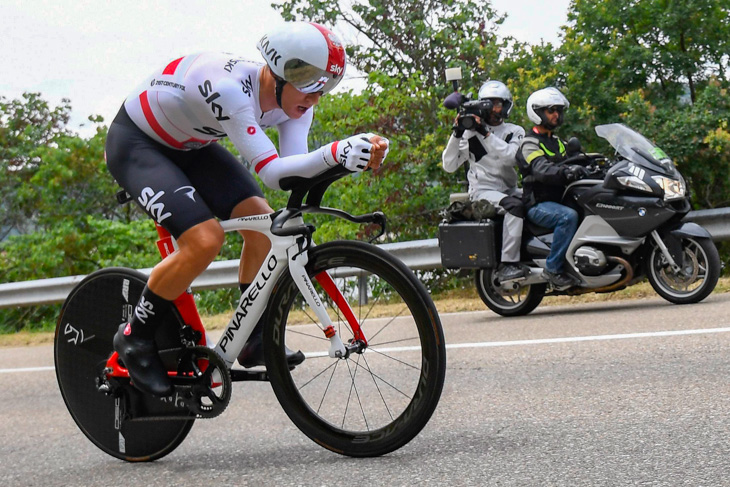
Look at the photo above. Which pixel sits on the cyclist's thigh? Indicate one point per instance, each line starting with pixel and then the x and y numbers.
pixel 152 174
pixel 221 180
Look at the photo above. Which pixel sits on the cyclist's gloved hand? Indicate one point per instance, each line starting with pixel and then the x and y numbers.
pixel 353 152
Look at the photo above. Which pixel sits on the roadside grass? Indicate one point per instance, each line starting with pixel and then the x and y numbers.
pixel 449 302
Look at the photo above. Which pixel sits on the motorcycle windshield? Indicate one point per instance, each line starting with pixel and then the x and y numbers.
pixel 636 148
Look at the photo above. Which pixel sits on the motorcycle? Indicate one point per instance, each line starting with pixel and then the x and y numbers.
pixel 630 227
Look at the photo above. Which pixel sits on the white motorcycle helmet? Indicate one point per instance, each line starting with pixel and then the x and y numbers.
pixel 307 55
pixel 497 89
pixel 542 99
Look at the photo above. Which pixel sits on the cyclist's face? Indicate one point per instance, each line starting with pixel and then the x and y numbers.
pixel 295 103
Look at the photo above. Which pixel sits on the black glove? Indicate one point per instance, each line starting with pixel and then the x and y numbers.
pixel 481 129
pixel 574 173
pixel 458 131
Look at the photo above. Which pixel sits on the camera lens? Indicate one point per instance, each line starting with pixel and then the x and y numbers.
pixel 467 123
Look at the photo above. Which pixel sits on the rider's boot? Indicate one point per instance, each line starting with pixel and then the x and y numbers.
pixel 135 344
pixel 252 354
pixel 560 280
pixel 509 271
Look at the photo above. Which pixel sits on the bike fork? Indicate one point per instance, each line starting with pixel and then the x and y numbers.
pixel 298 272
pixel 665 251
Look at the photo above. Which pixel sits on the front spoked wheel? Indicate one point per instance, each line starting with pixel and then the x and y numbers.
pixel 696 278
pixel 381 394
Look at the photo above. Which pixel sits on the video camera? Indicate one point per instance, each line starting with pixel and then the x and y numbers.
pixel 468 109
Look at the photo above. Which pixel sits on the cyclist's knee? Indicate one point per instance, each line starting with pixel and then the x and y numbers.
pixel 203 241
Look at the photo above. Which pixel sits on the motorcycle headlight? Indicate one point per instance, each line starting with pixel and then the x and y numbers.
pixel 673 188
pixel 634 183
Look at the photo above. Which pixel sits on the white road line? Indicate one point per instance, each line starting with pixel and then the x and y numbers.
pixel 513 343
pixel 27 369
pixel 543 341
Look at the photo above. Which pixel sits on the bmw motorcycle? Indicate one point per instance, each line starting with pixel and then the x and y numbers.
pixel 630 227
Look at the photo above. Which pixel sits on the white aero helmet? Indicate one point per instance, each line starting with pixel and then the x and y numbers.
pixel 544 98
pixel 497 89
pixel 307 55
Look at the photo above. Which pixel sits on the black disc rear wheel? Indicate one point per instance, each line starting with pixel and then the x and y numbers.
pixel 89 318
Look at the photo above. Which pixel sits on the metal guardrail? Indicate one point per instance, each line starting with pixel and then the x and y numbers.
pixel 417 254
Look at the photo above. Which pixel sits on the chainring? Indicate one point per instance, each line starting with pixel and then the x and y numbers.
pixel 203 381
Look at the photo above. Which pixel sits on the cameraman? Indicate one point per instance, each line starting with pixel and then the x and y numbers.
pixel 490 149
pixel 545 179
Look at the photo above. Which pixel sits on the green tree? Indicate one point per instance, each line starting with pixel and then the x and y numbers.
pixel 59 198
pixel 696 137
pixel 26 125
pixel 612 48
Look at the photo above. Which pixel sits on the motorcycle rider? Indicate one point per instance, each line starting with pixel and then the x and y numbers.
pixel 490 149
pixel 162 149
pixel 545 179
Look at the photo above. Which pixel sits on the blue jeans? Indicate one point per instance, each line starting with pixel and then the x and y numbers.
pixel 563 221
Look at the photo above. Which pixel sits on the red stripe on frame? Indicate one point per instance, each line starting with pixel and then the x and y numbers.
pixel 150 117
pixel 170 69
pixel 261 164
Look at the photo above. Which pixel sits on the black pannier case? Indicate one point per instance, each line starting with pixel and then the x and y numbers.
pixel 467 244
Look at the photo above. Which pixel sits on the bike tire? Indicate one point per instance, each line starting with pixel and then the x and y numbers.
pixel 371 403
pixel 89 318
pixel 512 304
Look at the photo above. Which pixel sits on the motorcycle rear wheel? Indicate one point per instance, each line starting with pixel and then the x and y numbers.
pixel 695 281
pixel 514 303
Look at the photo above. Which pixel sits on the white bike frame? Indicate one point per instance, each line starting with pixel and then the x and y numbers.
pixel 286 252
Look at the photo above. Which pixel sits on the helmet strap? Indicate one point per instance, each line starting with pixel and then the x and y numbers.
pixel 279 90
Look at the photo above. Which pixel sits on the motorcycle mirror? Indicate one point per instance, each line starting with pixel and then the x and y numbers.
pixel 574 146
pixel 453 101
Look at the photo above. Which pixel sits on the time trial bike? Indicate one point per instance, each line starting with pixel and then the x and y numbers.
pixel 374 347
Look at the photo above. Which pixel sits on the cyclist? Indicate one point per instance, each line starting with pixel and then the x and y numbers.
pixel 161 148
pixel 490 149
pixel 544 179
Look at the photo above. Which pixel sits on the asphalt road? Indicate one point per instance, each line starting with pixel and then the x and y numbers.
pixel 622 393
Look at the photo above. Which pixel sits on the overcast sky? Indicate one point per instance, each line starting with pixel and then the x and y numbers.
pixel 96 52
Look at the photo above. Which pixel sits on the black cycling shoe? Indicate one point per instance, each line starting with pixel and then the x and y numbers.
pixel 252 354
pixel 145 367
pixel 560 280
pixel 508 271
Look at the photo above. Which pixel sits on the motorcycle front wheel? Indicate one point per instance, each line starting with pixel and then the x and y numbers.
pixel 700 270
pixel 513 302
